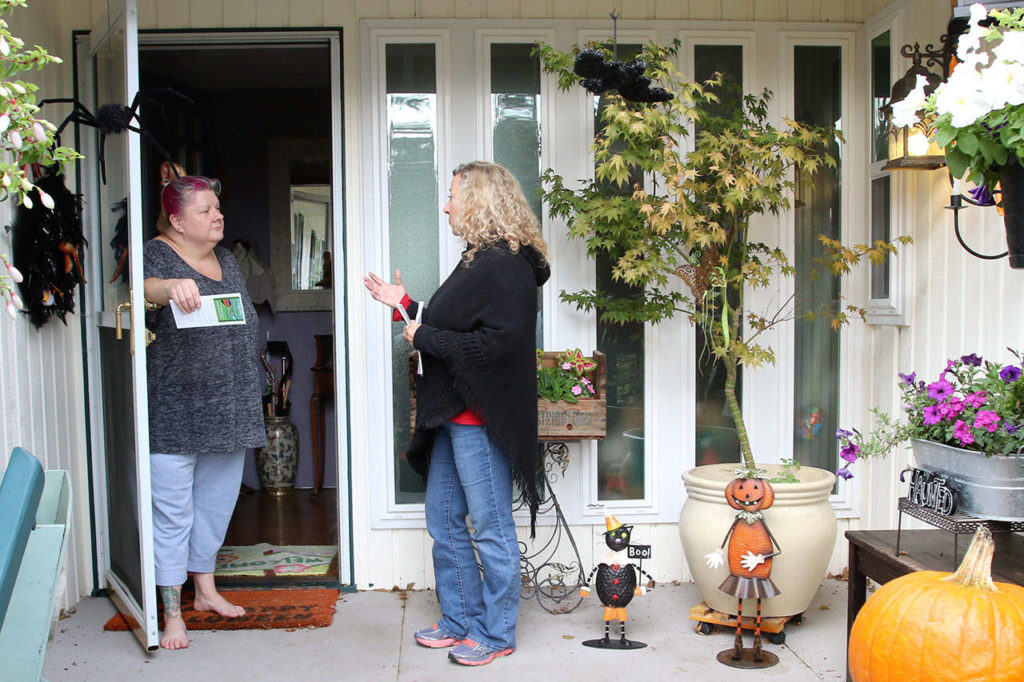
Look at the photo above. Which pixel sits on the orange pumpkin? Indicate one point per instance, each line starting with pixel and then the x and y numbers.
pixel 930 626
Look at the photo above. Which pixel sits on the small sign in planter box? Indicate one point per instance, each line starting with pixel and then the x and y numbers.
pixel 581 420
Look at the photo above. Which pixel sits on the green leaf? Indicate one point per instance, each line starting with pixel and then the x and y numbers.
pixel 966 142
pixel 957 162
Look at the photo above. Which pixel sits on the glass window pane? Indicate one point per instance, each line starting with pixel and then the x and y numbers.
pixel 881 229
pixel 881 58
pixel 715 432
pixel 515 125
pixel 620 456
pixel 412 218
pixel 818 87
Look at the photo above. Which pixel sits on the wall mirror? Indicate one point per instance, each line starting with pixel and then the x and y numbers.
pixel 301 222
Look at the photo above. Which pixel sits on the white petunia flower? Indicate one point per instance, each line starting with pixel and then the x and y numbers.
pixel 38 131
pixel 46 199
pixel 966 104
pixel 5 121
pixel 18 303
pixel 5 49
pixel 15 138
pixel 11 311
pixel 904 112
pixel 26 201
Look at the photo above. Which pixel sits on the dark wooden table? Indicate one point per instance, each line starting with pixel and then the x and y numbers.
pixel 873 555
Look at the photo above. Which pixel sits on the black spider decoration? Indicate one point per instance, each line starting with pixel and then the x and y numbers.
pixel 46 245
pixel 111 119
pixel 601 74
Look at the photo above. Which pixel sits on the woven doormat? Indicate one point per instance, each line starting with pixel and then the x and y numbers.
pixel 269 560
pixel 264 610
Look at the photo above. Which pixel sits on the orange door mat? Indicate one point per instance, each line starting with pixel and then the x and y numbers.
pixel 264 610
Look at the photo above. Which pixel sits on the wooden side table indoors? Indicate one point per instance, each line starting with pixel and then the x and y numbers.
pixel 323 390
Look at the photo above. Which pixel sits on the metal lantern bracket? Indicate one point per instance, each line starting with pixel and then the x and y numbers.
pixel 956 204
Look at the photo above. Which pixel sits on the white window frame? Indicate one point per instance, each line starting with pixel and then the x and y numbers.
pixel 852 221
pixel 668 346
pixel 894 309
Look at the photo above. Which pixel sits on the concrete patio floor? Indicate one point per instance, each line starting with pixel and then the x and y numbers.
pixel 371 639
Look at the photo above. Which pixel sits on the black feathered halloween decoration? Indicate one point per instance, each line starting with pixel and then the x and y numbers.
pixel 601 74
pixel 47 245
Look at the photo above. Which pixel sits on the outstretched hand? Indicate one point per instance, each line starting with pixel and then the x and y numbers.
pixel 387 293
pixel 714 559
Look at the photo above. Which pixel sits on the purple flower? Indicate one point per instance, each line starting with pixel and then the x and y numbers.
pixel 908 379
pixel 1010 428
pixel 962 432
pixel 850 452
pixel 940 390
pixel 843 433
pixel 988 420
pixel 971 359
pixel 931 415
pixel 844 473
pixel 1010 373
pixel 982 196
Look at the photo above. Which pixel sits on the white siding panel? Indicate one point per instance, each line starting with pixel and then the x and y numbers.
pixel 742 10
pixel 470 9
pixel 669 9
pixel 271 13
pixel 239 13
pixel 402 9
pixel 434 9
pixel 706 9
pixel 305 13
pixel 177 14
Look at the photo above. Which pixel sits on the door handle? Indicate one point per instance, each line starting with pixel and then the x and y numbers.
pixel 118 329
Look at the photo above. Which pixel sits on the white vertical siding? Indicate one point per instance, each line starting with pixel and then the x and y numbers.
pixel 41 371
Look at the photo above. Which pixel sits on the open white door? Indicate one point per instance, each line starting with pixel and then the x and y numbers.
pixel 108 74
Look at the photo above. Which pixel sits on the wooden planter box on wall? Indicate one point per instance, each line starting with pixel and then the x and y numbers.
pixel 574 421
pixel 583 420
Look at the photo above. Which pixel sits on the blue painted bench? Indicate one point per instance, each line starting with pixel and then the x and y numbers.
pixel 34 517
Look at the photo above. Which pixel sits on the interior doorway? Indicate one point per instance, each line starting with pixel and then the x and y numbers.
pixel 259 116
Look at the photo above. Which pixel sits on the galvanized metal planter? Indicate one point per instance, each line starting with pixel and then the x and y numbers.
pixel 989 487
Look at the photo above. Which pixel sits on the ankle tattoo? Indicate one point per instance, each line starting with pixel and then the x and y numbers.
pixel 171 597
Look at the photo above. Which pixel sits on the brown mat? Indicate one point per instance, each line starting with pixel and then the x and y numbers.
pixel 265 609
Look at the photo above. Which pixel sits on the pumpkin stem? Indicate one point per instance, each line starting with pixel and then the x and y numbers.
pixel 975 570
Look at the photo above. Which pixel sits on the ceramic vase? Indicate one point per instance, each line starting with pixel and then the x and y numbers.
pixel 278 461
pixel 801 520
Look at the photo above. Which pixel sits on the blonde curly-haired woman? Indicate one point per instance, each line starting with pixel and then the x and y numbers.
pixel 476 408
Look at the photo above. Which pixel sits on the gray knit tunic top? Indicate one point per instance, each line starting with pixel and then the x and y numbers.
pixel 204 382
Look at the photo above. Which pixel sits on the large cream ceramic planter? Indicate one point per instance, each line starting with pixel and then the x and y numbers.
pixel 802 521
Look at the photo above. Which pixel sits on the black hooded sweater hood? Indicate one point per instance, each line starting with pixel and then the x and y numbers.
pixel 478 345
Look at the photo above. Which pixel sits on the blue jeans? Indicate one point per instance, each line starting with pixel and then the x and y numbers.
pixel 468 475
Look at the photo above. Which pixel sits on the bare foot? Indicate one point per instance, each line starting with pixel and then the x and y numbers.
pixel 175 635
pixel 218 604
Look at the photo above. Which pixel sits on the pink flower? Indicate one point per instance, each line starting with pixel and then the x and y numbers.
pixel 976 400
pixel 962 433
pixel 576 390
pixel 987 420
pixel 566 365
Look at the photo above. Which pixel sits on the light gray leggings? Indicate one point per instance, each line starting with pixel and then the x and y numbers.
pixel 193 498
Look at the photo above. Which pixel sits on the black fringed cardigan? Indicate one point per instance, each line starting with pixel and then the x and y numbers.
pixel 478 345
